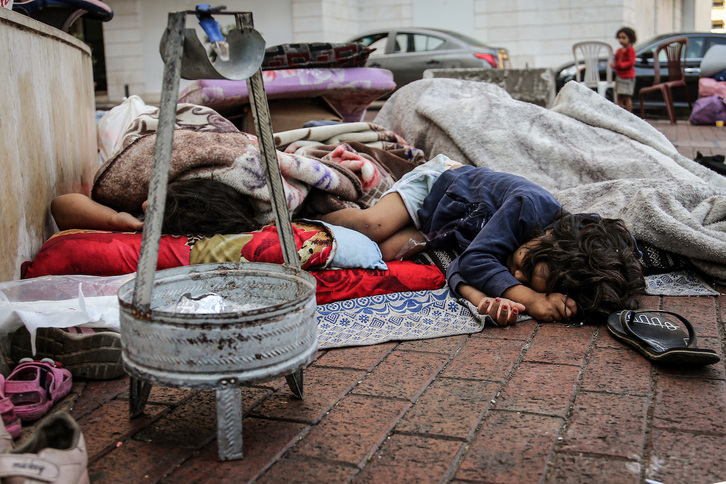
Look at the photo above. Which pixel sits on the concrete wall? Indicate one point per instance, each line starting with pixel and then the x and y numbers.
pixel 47 131
pixel 124 50
pixel 312 20
pixel 536 86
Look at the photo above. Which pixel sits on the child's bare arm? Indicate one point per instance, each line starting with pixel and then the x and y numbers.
pixel 77 211
pixel 544 307
pixel 502 311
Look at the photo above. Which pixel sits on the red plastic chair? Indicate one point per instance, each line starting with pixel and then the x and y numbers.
pixel 676 54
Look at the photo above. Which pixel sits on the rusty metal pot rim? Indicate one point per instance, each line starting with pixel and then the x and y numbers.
pixel 211 270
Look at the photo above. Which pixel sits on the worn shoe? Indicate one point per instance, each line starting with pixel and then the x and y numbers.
pixel 55 454
pixel 6 440
pixel 10 420
pixel 93 354
pixel 35 386
pixel 659 335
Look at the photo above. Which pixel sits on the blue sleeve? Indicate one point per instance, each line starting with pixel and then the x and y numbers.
pixel 483 263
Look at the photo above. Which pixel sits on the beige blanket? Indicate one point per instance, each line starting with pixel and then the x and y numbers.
pixel 593 155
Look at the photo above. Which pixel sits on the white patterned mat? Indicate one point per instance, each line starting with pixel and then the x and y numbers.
pixel 398 316
pixel 681 283
pixel 432 314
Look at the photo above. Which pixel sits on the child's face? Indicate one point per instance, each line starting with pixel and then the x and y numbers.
pixel 540 273
pixel 623 39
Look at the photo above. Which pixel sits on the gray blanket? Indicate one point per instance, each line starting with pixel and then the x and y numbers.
pixel 591 154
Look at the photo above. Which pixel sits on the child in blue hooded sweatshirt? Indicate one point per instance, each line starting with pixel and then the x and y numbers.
pixel 521 250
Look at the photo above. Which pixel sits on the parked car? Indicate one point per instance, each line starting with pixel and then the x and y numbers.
pixel 408 52
pixel 698 44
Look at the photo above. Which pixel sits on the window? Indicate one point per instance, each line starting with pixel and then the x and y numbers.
pixel 401 44
pixel 379 45
pixel 372 39
pixel 407 42
pixel 695 48
pixel 717 25
pixel 717 3
pixel 424 43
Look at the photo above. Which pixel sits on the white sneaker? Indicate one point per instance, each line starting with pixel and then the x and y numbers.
pixel 55 454
pixel 6 440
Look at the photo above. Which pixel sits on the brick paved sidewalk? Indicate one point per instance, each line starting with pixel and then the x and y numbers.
pixel 690 139
pixel 535 403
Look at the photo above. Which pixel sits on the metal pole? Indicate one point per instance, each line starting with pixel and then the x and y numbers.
pixel 263 126
pixel 149 253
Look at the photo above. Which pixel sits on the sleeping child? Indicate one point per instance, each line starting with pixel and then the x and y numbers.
pixel 521 250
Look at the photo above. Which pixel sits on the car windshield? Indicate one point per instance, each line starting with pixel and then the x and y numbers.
pixel 697 44
pixel 642 45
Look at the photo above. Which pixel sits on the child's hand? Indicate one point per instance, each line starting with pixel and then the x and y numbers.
pixel 125 222
pixel 503 311
pixel 552 307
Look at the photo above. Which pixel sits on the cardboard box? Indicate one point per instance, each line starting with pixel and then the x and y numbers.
pixel 287 114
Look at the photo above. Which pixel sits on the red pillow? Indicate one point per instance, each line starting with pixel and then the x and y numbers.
pixel 113 253
pixel 98 253
pixel 401 276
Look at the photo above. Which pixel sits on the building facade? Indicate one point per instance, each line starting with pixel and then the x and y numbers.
pixel 718 16
pixel 537 34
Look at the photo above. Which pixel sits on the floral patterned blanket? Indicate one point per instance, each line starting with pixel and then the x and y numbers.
pixel 206 145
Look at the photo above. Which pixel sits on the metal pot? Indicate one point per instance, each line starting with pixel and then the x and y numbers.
pixel 277 336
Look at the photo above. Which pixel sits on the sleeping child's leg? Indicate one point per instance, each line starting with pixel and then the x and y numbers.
pixel 404 244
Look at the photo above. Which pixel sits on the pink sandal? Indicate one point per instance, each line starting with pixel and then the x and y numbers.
pixel 7 410
pixel 35 386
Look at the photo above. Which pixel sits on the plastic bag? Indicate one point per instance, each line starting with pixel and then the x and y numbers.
pixel 112 126
pixel 709 87
pixel 708 110
pixel 209 303
pixel 60 302
pixel 714 60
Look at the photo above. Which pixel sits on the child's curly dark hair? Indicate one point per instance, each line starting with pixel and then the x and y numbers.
pixel 629 32
pixel 202 206
pixel 591 259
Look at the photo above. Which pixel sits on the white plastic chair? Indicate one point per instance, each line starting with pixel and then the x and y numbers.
pixel 588 56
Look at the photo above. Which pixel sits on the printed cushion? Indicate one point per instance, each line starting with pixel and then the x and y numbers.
pixel 102 253
pixel 354 250
pixel 317 54
pixel 314 243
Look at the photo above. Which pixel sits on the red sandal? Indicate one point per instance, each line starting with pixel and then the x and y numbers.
pixel 35 386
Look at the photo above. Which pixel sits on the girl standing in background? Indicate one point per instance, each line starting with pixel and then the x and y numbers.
pixel 624 66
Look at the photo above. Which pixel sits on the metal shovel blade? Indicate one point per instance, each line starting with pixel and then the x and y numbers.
pixel 246 52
